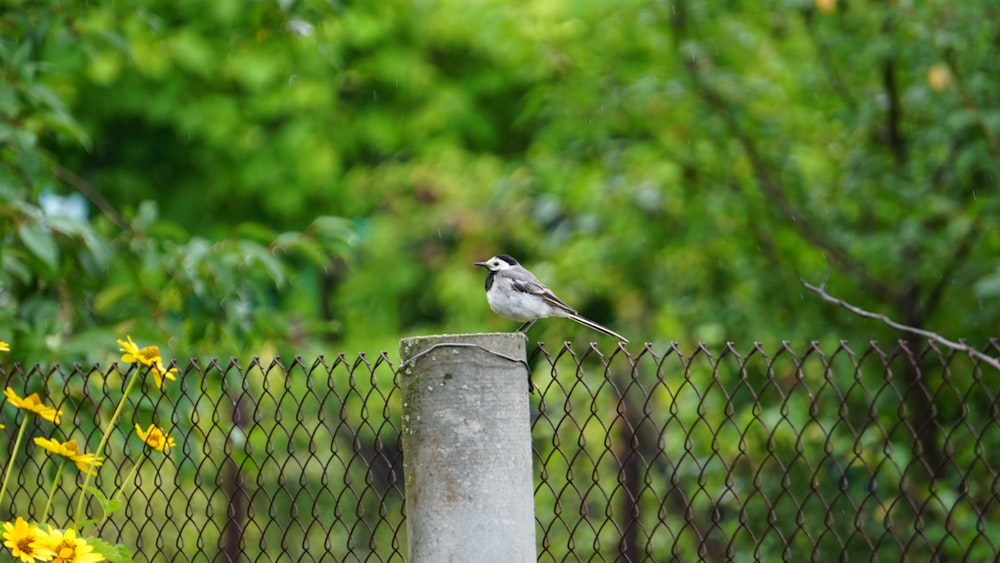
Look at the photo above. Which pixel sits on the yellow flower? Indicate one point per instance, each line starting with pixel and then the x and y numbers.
pixel 149 357
pixel 33 404
pixel 23 540
pixel 131 353
pixel 160 373
pixel 71 451
pixel 67 548
pixel 4 347
pixel 155 437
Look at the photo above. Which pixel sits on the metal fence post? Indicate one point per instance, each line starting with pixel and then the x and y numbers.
pixel 467 448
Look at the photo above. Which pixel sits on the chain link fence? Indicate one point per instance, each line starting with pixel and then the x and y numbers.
pixel 712 453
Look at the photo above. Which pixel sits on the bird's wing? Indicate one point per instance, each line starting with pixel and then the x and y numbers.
pixel 535 287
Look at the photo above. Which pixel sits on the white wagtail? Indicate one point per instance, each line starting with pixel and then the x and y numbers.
pixel 515 293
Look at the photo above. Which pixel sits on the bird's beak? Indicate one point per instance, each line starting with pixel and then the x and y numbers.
pixel 483 264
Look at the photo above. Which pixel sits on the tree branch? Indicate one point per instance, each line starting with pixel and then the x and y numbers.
pixel 932 336
pixel 894 116
pixel 957 258
pixel 82 186
pixel 775 192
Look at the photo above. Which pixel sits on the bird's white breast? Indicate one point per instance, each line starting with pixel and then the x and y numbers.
pixel 516 305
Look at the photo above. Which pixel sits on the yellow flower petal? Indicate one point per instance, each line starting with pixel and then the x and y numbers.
pixel 33 404
pixel 66 547
pixel 127 348
pixel 155 437
pixel 23 541
pixel 131 353
pixel 160 373
pixel 71 451
pixel 4 347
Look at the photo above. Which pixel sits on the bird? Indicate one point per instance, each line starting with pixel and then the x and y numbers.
pixel 515 293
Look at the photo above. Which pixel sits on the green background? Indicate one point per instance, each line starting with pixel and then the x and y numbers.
pixel 301 178
pixel 307 176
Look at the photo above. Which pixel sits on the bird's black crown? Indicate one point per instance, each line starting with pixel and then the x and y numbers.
pixel 506 258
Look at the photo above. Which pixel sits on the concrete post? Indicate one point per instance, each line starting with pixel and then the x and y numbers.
pixel 467 449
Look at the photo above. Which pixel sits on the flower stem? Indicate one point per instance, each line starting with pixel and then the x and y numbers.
pixel 104 441
pixel 52 492
pixel 121 490
pixel 13 452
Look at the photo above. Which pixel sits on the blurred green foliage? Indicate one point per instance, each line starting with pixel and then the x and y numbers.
pixel 669 167
pixel 300 177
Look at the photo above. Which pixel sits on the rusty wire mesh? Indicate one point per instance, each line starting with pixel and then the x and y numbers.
pixel 795 453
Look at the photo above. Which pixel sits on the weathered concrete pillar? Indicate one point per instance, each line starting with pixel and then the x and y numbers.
pixel 467 449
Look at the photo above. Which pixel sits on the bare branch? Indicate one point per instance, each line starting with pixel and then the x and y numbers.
pixel 894 116
pixel 957 258
pixel 932 336
pixel 88 191
pixel 776 193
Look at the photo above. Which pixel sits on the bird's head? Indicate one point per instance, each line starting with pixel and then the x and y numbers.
pixel 498 262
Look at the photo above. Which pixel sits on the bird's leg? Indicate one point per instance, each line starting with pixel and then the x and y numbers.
pixel 524 329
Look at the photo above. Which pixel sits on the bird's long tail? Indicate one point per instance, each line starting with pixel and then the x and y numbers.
pixel 592 325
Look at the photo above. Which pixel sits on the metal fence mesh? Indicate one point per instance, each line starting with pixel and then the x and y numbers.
pixel 718 454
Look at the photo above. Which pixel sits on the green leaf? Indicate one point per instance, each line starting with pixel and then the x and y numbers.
pixel 987 286
pixel 108 296
pixel 311 251
pixel 255 253
pixel 330 227
pixel 40 244
pixel 254 231
pixel 107 505
pixel 113 553
pixel 15 267
pixel 65 225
